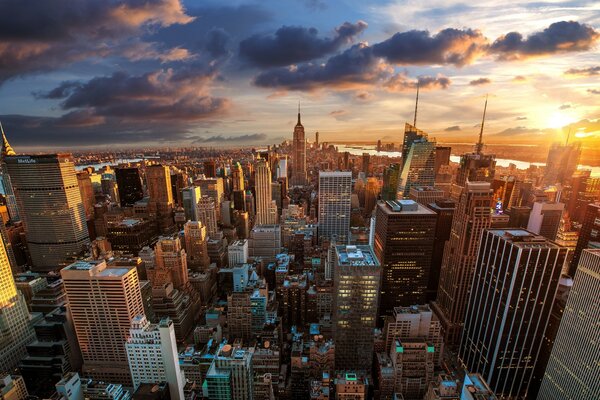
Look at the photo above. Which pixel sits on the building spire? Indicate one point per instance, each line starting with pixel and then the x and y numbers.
pixel 479 145
pixel 416 104
pixel 6 149
pixel 299 123
pixel 568 136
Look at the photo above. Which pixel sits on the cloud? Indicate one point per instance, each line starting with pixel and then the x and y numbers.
pixel 480 81
pixel 521 118
pixel 559 37
pixel 340 115
pixel 217 41
pixel 448 46
pixel 294 44
pixel 363 95
pixel 40 35
pixel 587 71
pixel 564 106
pixel 356 67
pixel 315 5
pixel 522 130
pixel 519 79
pixel 400 82
pixel 593 91
pixel 254 137
pixel 453 128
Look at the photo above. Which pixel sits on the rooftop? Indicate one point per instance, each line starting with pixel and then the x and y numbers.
pixel 356 256
pixel 404 207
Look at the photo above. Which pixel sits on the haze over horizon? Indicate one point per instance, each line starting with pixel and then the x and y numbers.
pixel 176 73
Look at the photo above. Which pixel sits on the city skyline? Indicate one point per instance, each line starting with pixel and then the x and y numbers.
pixel 99 74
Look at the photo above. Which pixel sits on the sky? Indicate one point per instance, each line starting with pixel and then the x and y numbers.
pixel 154 73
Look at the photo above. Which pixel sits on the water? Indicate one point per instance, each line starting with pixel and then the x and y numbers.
pixel 502 162
pixel 112 164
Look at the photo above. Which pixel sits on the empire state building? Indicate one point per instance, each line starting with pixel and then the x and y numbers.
pixel 298 155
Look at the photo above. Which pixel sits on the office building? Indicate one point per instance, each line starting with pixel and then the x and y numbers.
pixel 266 210
pixel 391 175
pixel 356 282
pixel 413 362
pixel 170 265
pixel 189 197
pixel 403 244
pixel 12 387
pixel 471 216
pixel 161 203
pixel 545 218
pixel 210 168
pixel 231 376
pixel 212 187
pixel 335 189
pixel 207 214
pixel 237 178
pixel 444 210
pixel 16 330
pixel 282 167
pixel 425 195
pixel 103 301
pixel 152 355
pixel 418 167
pixel 299 177
pixel 55 224
pixel 237 252
pixel 561 163
pixel 589 234
pixel 196 245
pixel 7 189
pixel 86 190
pixel 131 235
pixel 503 332
pixel 351 385
pixel 372 191
pixel 572 371
pixel 265 242
pixel 130 186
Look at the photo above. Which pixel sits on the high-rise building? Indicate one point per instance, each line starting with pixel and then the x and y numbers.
pixel 103 301
pixel 230 376
pixel 298 155
pixel 86 189
pixel 572 371
pixel 189 198
pixel 152 355
pixel 411 135
pixel 212 187
pixel 210 168
pixel 265 242
pixel 237 252
pixel 544 218
pixel 371 194
pixel 196 246
pixel 356 281
pixel 471 216
pixel 414 362
pixel 444 210
pixel 55 223
pixel 130 186
pixel 561 163
pixel 170 264
pixel 16 330
pixel 158 181
pixel 513 289
pixel 589 234
pixel 425 195
pixel 12 387
pixel 7 189
pixel 266 211
pixel 237 178
pixel 418 167
pixel 442 157
pixel 207 214
pixel 404 238
pixel 391 174
pixel 335 189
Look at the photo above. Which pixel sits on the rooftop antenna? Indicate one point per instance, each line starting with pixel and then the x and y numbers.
pixel 416 104
pixel 479 145
pixel 568 136
pixel 298 112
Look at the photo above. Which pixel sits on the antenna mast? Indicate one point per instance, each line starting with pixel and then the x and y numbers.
pixel 479 145
pixel 416 104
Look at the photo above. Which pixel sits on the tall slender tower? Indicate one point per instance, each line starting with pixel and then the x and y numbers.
pixel 266 211
pixel 55 223
pixel 299 154
pixel 9 194
pixel 572 372
pixel 103 301
pixel 513 289
pixel 471 217
pixel 15 328
pixel 335 188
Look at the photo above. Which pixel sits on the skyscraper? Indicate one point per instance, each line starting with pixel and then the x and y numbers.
pixel 545 218
pixel 356 282
pixel 103 301
pixel 130 185
pixel 158 181
pixel 207 214
pixel 230 376
pixel 15 328
pixel 404 235
pixel 588 234
pixel 418 168
pixel 196 247
pixel 561 163
pixel 471 216
pixel 572 372
pixel 170 264
pixel 298 155
pixel 444 210
pixel 237 178
pixel 391 175
pixel 7 190
pixel 152 355
pixel 189 197
pixel 55 222
pixel 335 189
pixel 514 285
pixel 266 210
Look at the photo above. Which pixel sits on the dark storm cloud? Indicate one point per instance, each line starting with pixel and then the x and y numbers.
pixel 587 71
pixel 401 82
pixel 217 41
pixel 480 81
pixel 559 37
pixel 453 128
pixel 294 44
pixel 353 68
pixel 42 35
pixel 449 46
pixel 254 137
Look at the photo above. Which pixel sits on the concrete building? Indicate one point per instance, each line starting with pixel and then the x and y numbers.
pixel 351 386
pixel 231 377
pixel 55 224
pixel 503 332
pixel 237 252
pixel 335 189
pixel 299 155
pixel 12 387
pixel 103 301
pixel 152 355
pixel 545 218
pixel 357 277
pixel 471 217
pixel 196 245
pixel 414 363
pixel 207 214
pixel 572 372
pixel 130 186
pixel 265 242
pixel 190 196
pixel 561 163
pixel 266 209
pixel 170 264
pixel 425 195
pixel 403 244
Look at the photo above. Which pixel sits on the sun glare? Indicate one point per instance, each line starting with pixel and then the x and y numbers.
pixel 559 120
